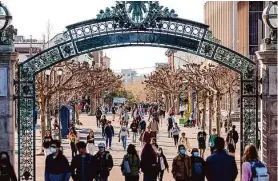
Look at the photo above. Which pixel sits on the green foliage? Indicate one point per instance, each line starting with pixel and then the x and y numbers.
pixel 122 92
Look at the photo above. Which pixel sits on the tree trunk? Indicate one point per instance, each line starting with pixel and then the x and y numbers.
pixel 218 112
pixel 177 104
pixel 205 109
pixel 93 100
pixel 198 108
pixel 210 112
pixel 42 114
pixel 230 110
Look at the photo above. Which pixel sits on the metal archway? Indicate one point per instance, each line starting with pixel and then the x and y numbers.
pixel 131 23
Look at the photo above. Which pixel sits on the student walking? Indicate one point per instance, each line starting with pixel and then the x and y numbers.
pixel 201 137
pixel 162 164
pixel 198 166
pixel 73 138
pixel 170 126
pixel 134 129
pixel 47 139
pixel 232 136
pixel 83 165
pixel 184 141
pixel 176 132
pixel 109 133
pixel 98 116
pixel 104 163
pixel 123 135
pixel 91 143
pixel 103 123
pixel 56 164
pixel 131 164
pixel 211 140
pixel 7 172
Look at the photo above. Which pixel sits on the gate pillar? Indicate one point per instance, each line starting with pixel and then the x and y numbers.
pixel 7 104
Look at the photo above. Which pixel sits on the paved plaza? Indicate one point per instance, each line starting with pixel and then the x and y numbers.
pixel 117 152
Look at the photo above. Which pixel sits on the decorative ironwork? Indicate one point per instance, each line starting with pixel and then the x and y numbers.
pixel 140 23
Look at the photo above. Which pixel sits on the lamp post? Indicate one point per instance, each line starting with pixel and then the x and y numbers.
pixel 270 19
pixel 47 73
pixel 59 74
pixel 5 17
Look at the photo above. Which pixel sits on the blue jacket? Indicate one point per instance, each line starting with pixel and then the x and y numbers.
pixel 221 167
pixel 109 131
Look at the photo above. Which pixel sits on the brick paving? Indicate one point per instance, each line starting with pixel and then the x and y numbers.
pixel 117 151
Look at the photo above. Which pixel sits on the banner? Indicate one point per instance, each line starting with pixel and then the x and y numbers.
pixel 119 100
pixel 3 82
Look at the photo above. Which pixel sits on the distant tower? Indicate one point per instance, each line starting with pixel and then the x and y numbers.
pixel 106 62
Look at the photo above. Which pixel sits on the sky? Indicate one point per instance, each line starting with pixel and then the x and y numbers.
pixel 30 17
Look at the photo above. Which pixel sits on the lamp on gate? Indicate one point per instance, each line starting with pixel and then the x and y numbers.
pixel 270 19
pixel 5 17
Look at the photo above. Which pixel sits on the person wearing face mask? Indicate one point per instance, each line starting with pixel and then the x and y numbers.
pixel 91 142
pixel 56 164
pixel 162 163
pixel 181 166
pixel 7 172
pixel 46 143
pixel 198 166
pixel 104 162
pixel 83 165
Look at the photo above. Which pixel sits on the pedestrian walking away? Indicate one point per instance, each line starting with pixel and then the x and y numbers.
pixel 181 166
pixel 170 126
pixel 131 164
pixel 220 166
pixel 56 164
pixel 113 113
pixel 134 129
pixel 211 140
pixel 73 138
pixel 176 132
pixel 104 163
pixel 103 122
pixel 149 162
pixel 7 172
pixel 232 136
pixel 231 149
pixel 142 126
pixel 201 137
pixel 83 165
pixel 252 168
pixel 198 166
pixel 182 109
pixel 98 116
pixel 91 143
pixel 162 164
pixel 109 133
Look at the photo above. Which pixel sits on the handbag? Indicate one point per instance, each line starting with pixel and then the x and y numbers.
pixel 126 167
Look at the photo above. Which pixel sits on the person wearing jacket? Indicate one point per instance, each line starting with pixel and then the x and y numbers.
pixel 104 162
pixel 198 166
pixel 184 141
pixel 109 133
pixel 98 116
pixel 162 163
pixel 176 132
pixel 91 142
pixel 83 165
pixel 220 166
pixel 181 166
pixel 56 164
pixel 133 161
pixel 134 129
pixel 7 172
pixel 46 143
pixel 149 162
pixel 103 122
pixel 232 136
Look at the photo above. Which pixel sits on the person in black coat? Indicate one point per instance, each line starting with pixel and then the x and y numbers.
pixel 162 164
pixel 83 166
pixel 198 166
pixel 232 136
pixel 56 164
pixel 6 169
pixel 109 133
pixel 98 116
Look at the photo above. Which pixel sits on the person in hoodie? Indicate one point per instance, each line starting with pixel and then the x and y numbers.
pixel 56 164
pixel 83 165
pixel 7 172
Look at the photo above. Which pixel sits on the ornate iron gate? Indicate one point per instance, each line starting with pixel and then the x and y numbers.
pixel 130 23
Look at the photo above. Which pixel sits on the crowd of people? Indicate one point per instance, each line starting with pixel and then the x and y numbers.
pixel 91 163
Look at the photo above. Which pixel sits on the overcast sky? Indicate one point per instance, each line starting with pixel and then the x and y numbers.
pixel 31 16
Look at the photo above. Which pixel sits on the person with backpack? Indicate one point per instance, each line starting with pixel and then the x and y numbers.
pixel 103 123
pixel 231 149
pixel 184 141
pixel 201 137
pixel 176 131
pixel 252 168
pixel 134 129
pixel 83 165
pixel 232 136
pixel 109 133
pixel 170 126
pixel 211 140
pixel 98 116
pixel 104 163
pixel 131 164
pixel 142 126
pixel 162 164
pixel 198 166
pixel 123 135
pixel 220 166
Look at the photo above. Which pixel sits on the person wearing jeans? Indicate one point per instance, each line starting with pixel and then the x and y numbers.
pixel 134 129
pixel 109 132
pixel 176 132
pixel 123 135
